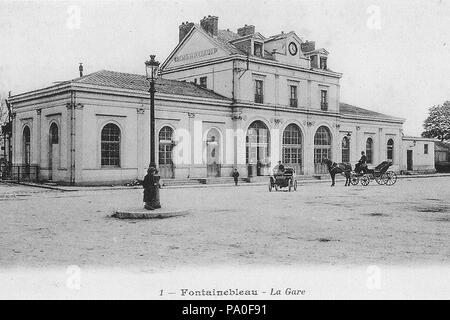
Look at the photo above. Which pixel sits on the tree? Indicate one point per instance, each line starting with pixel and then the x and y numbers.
pixel 4 115
pixel 437 125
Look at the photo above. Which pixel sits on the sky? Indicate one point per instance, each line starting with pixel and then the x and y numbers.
pixel 394 55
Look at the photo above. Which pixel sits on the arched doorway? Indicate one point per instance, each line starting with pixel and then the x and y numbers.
pixel 213 162
pixel 322 149
pixel 165 160
pixel 292 154
pixel 53 154
pixel 26 151
pixel 257 148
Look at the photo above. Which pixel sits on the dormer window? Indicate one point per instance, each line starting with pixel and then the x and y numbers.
pixel 258 49
pixel 323 63
pixel 313 61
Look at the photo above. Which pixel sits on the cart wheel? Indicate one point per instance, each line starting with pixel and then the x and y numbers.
pixel 381 179
pixel 354 180
pixel 295 185
pixel 391 178
pixel 365 180
pixel 290 185
pixel 270 186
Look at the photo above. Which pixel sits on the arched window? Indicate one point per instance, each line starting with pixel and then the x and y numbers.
pixel 390 150
pixel 345 149
pixel 110 145
pixel 165 145
pixel 54 136
pixel 369 150
pixel 322 149
pixel 26 145
pixel 292 147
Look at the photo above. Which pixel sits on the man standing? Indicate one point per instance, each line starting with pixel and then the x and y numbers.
pixel 235 176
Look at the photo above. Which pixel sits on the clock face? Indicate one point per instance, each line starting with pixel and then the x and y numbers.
pixel 292 48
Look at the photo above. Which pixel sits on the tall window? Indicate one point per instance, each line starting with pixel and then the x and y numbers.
pixel 323 63
pixel 259 91
pixel 323 99
pixel 369 150
pixel 110 146
pixel 390 150
pixel 345 149
pixel 322 149
pixel 425 148
pixel 292 147
pixel 313 61
pixel 26 145
pixel 54 137
pixel 203 82
pixel 293 99
pixel 258 49
pixel 165 145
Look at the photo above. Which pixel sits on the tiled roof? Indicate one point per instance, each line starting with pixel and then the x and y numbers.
pixel 348 109
pixel 139 82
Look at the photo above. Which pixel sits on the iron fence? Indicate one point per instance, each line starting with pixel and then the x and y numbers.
pixel 20 173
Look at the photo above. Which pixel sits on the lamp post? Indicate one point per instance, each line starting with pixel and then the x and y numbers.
pixel 151 181
pixel 151 69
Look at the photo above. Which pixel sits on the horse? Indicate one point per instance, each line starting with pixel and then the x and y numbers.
pixel 334 168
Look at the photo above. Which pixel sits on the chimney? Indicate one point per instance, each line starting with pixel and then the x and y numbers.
pixel 308 46
pixel 210 24
pixel 184 28
pixel 246 30
pixel 80 68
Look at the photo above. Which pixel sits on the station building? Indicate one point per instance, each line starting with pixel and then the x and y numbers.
pixel 224 100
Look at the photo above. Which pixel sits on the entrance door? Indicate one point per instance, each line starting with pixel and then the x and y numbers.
pixel 409 160
pixel 322 149
pixel 257 149
pixel 53 157
pixel 165 153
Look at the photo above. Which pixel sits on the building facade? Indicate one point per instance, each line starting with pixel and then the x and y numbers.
pixel 223 100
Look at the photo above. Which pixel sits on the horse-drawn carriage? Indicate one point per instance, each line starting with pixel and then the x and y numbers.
pixel 380 174
pixel 285 179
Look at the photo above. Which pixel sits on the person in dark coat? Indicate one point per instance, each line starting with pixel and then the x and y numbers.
pixel 361 165
pixel 235 176
pixel 150 184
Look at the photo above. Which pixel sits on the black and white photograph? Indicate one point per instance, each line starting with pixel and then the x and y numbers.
pixel 225 150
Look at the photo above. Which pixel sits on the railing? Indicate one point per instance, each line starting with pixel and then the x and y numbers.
pixel 293 103
pixel 259 98
pixel 20 173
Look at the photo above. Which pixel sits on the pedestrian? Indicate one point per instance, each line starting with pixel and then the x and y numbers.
pixel 149 188
pixel 235 176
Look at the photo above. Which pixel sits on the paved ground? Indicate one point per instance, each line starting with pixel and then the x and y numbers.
pixel 407 224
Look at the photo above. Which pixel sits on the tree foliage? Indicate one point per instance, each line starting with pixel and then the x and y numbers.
pixel 437 125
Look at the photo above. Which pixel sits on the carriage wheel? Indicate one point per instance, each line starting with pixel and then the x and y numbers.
pixel 381 179
pixel 365 180
pixel 354 180
pixel 276 186
pixel 295 185
pixel 391 178
pixel 270 186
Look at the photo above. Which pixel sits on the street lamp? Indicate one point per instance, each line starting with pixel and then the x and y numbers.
pixel 151 70
pixel 151 180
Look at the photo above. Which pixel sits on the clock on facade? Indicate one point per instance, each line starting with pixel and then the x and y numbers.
pixel 293 48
